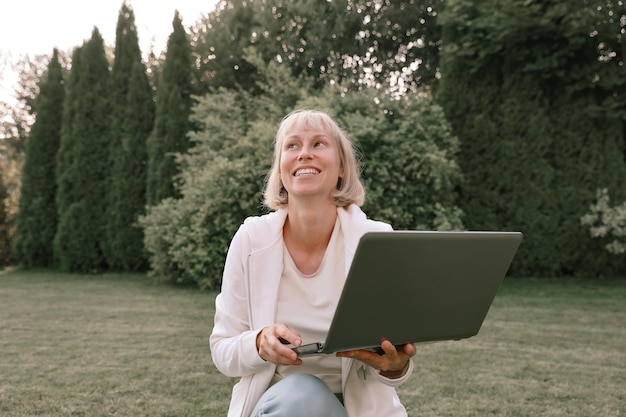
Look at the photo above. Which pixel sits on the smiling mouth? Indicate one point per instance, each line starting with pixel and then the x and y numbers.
pixel 306 171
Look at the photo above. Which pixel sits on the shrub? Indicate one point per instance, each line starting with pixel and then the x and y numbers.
pixel 410 172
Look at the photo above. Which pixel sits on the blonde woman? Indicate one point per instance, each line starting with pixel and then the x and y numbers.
pixel 283 276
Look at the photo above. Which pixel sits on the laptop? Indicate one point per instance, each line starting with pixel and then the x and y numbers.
pixel 416 287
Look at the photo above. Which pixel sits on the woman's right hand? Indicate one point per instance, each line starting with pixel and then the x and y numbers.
pixel 272 344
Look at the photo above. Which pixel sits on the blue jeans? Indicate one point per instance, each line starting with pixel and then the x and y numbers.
pixel 299 395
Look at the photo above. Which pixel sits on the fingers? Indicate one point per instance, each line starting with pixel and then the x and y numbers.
pixel 410 349
pixel 271 343
pixel 407 349
pixel 390 360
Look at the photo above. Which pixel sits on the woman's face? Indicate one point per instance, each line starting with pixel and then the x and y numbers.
pixel 309 164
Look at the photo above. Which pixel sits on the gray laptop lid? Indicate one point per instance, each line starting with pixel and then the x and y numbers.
pixel 418 286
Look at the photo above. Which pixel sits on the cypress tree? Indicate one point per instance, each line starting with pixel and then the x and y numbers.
pixel 65 168
pixel 133 118
pixel 131 172
pixel 37 216
pixel 173 108
pixel 83 161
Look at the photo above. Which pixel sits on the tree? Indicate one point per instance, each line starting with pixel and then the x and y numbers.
pixel 37 218
pixel 171 124
pixel 219 40
pixel 400 43
pixel 82 161
pixel 16 119
pixel 30 70
pixel 391 45
pixel 606 24
pixel 518 87
pixel 132 121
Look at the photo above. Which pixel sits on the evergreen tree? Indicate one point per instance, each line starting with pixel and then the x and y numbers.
pixel 518 89
pixel 173 108
pixel 82 169
pixel 132 121
pixel 37 217
pixel 65 167
pixel 127 245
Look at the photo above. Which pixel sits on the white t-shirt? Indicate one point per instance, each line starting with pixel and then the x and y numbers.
pixel 307 303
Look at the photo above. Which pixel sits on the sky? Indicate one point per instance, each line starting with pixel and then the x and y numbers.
pixel 36 27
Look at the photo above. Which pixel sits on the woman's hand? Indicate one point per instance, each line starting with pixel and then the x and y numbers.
pixel 391 363
pixel 272 341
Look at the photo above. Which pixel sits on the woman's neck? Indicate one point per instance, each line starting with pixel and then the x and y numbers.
pixel 310 226
pixel 306 234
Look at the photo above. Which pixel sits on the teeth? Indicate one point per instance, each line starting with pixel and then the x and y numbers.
pixel 306 171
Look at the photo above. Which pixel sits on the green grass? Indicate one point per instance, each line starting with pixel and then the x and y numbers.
pixel 121 345
pixel 108 345
pixel 547 348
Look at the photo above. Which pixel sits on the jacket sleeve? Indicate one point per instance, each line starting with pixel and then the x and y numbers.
pixel 232 342
pixel 395 382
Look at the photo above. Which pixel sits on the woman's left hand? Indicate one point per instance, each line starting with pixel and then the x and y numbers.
pixel 391 363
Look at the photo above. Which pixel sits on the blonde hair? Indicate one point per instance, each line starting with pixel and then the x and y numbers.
pixel 350 190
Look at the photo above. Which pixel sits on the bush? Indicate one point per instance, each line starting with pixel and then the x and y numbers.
pixel 410 171
pixel 221 182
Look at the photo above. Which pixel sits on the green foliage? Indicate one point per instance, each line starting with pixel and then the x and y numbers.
pixel 37 219
pixel 222 182
pixel 578 46
pixel 222 175
pixel 400 43
pixel 535 36
pixel 222 179
pixel 16 119
pixel 393 45
pixel 518 92
pixel 82 161
pixel 410 156
pixel 133 118
pixel 535 90
pixel 171 124
pixel 220 40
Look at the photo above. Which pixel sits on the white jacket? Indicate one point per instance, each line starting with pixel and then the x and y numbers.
pixel 247 303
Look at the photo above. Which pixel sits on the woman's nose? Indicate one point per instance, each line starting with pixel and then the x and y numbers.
pixel 304 154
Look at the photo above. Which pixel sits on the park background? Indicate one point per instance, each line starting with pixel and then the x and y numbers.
pixel 489 115
pixel 468 115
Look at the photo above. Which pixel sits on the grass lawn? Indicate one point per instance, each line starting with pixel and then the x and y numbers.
pixel 121 345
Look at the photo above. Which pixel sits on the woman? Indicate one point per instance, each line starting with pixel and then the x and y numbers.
pixel 282 279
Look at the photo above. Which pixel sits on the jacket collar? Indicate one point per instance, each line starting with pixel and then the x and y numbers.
pixel 268 232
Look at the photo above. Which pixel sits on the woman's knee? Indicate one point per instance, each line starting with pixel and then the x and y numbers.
pixel 300 395
pixel 304 385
